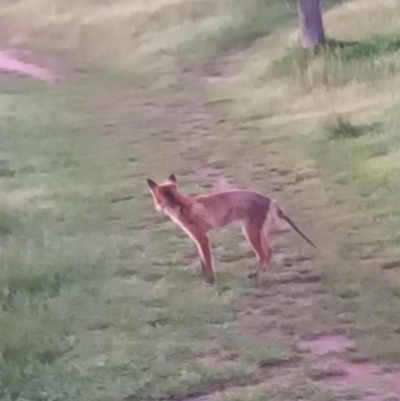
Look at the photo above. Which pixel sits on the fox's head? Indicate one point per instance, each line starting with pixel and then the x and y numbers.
pixel 165 194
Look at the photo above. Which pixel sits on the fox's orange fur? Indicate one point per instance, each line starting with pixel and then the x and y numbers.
pixel 198 215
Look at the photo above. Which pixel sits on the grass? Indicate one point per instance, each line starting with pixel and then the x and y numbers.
pixel 295 96
pixel 152 36
pixel 42 257
pixel 341 128
pixel 99 296
pixel 75 275
pixel 338 64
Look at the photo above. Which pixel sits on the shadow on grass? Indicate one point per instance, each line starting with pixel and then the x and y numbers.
pixel 340 128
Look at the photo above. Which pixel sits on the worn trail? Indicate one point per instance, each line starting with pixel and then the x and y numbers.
pixel 279 307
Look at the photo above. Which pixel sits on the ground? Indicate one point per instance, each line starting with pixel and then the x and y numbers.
pixel 102 297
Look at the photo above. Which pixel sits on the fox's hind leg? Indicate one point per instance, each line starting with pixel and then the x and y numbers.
pixel 253 231
pixel 267 249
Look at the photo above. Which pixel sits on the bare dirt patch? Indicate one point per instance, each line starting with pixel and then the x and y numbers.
pixel 326 344
pixel 376 384
pixel 219 182
pixel 335 370
pixel 24 63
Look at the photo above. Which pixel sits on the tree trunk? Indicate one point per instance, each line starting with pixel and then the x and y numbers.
pixel 311 25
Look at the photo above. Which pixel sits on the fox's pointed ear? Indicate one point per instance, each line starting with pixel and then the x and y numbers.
pixel 151 184
pixel 172 178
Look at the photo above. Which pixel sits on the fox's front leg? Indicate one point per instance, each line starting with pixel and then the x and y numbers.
pixel 203 245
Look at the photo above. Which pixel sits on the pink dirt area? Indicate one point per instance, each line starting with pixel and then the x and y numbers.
pixel 326 344
pixel 353 373
pixel 377 384
pixel 336 371
pixel 24 63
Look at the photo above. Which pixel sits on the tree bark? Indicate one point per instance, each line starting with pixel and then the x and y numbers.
pixel 311 24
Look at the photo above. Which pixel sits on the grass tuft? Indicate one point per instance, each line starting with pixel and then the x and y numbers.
pixel 377 46
pixel 342 128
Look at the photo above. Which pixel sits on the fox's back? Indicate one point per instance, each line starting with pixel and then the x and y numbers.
pixel 222 208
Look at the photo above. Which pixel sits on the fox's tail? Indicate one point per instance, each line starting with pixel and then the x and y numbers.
pixel 279 213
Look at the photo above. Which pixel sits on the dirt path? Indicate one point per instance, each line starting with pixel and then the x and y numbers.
pixel 24 63
pixel 287 300
pixel 279 305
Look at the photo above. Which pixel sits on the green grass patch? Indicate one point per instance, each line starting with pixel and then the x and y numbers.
pixel 336 65
pixel 100 296
pixel 152 36
pixel 377 46
pixel 44 257
pixel 281 110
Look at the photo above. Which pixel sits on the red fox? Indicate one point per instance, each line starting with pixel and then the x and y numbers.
pixel 198 215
